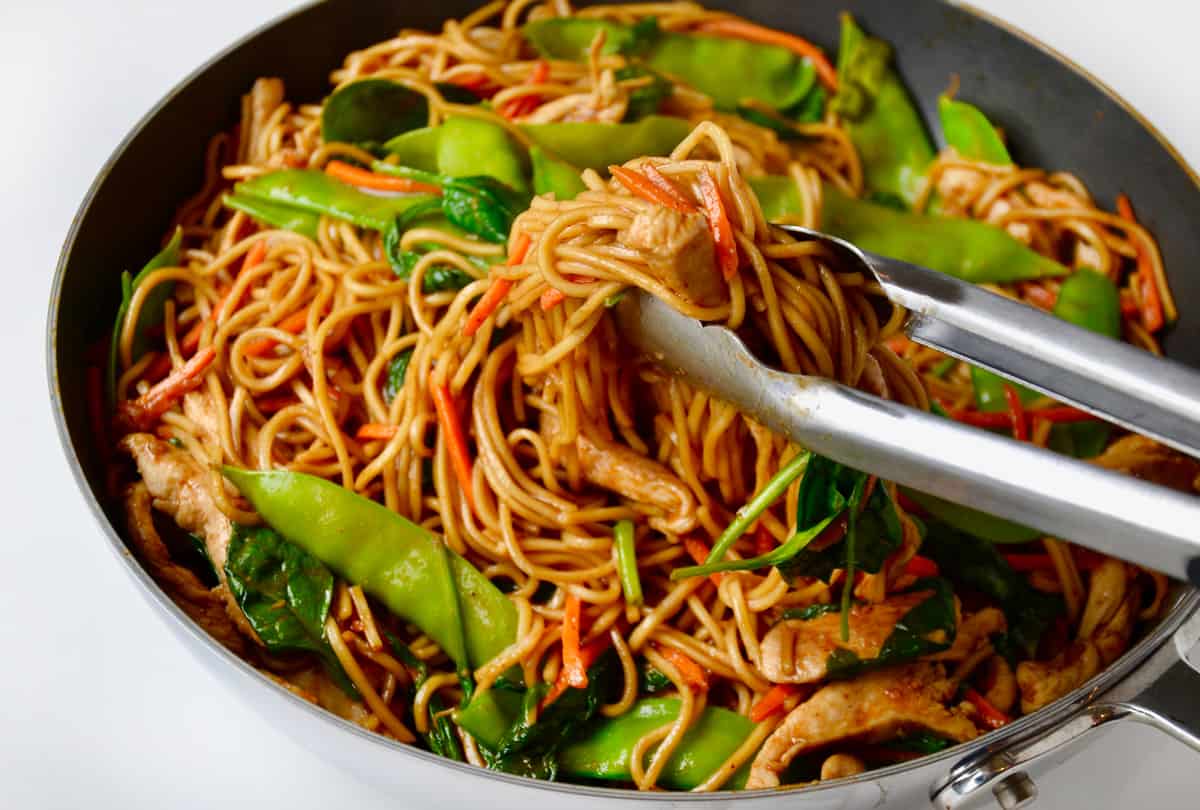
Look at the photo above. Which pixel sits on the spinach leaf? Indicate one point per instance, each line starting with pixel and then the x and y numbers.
pixel 152 309
pixel 783 122
pixel 370 111
pixel 285 593
pixel 482 206
pixel 641 37
pixel 455 94
pixel 927 628
pixel 646 99
pixel 438 278
pixel 809 611
pixel 825 491
pixel 397 368
pixel 440 738
pixel 651 680
pixel 531 749
pixel 975 563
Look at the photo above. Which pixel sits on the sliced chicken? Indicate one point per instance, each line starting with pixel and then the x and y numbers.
pixel 872 708
pixel 973 633
pixel 203 605
pixel 1147 459
pixel 184 489
pixel 1043 682
pixel 797 650
pixel 679 252
pixel 637 478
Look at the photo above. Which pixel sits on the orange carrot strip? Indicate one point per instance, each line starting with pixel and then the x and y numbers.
pixel 500 287
pixel 551 298
pixel 456 439
pixel 698 551
pixel 517 107
pixel 1039 295
pixel 989 714
pixel 1016 412
pixel 718 223
pixel 588 654
pixel 669 188
pixel 1152 309
pixel 772 701
pixel 143 412
pixel 379 182
pixel 373 431
pixel 572 660
pixel 640 186
pixel 693 674
pixel 743 29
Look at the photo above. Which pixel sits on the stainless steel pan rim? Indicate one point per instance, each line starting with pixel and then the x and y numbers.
pixel 1184 603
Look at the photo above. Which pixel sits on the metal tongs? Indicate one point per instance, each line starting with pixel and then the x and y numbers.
pixel 1104 510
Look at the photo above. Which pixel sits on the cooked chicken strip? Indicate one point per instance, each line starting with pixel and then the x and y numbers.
pixel 1147 459
pixel 872 708
pixel 679 251
pixel 1043 682
pixel 797 650
pixel 183 488
pixel 205 606
pixel 639 479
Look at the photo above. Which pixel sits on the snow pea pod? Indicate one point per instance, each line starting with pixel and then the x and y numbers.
pixel 727 70
pixel 604 751
pixel 972 521
pixel 554 176
pixel 967 129
pixel 398 562
pixel 318 193
pixel 463 147
pixel 881 119
pixel 963 248
pixel 274 214
pixel 598 146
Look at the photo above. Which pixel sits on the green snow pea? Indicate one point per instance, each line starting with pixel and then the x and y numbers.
pixel 402 565
pixel 274 214
pixel 881 119
pixel 972 521
pixel 317 193
pixel 152 309
pixel 727 70
pixel 969 131
pixel 966 249
pixel 463 147
pixel 598 146
pixel 551 175
pixel 603 752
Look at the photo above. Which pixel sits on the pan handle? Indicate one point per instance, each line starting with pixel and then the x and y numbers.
pixel 1160 693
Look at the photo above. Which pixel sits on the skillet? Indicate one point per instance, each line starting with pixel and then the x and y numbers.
pixel 1055 116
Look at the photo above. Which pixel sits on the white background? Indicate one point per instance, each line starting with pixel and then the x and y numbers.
pixel 99 705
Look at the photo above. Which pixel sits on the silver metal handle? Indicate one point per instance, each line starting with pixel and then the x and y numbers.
pixel 1106 511
pixel 1125 385
pixel 1160 693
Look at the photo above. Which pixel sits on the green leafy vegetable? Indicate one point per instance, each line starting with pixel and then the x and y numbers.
pixel 976 564
pixel 809 612
pixel 437 278
pixel 152 309
pixel 920 742
pixel 928 627
pixel 368 112
pixel 481 206
pixel 972 521
pixel 440 738
pixel 647 99
pixel 651 680
pixel 397 368
pixel 285 593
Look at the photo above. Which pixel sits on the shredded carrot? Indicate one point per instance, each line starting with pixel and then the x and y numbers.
pixel 718 223
pixel 456 439
pixel 668 187
pixel 920 566
pixel 989 714
pixel 588 654
pixel 499 289
pixel 1016 413
pixel 143 412
pixel 551 298
pixel 1129 305
pixel 772 701
pixel 1152 308
pixel 524 105
pixel 373 431
pixel 640 186
pixel 698 551
pixel 572 660
pixel 743 29
pixel 1039 295
pixel 362 178
pixel 693 674
pixel 898 343
pixel 293 323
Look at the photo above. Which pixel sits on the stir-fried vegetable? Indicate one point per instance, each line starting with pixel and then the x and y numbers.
pixel 370 111
pixel 480 205
pixel 969 131
pixel 554 176
pixel 317 193
pixel 726 69
pixel 627 569
pixel 596 146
